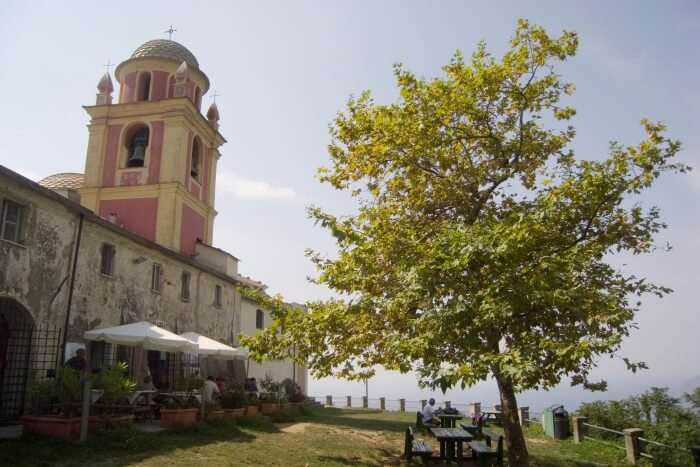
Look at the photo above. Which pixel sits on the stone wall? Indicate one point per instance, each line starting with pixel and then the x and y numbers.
pixel 36 272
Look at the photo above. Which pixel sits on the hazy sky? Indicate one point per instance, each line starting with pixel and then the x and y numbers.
pixel 283 69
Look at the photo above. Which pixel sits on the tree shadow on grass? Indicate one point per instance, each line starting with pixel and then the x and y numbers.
pixel 117 447
pixel 384 457
pixel 352 419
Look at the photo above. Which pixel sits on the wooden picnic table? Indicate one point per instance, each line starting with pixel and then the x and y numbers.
pixel 448 420
pixel 449 439
pixel 492 415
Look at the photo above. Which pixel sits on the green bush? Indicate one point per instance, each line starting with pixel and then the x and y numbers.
pixel 663 418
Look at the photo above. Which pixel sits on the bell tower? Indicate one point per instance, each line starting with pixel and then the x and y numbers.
pixel 152 156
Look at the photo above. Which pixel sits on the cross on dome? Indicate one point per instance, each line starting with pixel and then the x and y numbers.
pixel 170 32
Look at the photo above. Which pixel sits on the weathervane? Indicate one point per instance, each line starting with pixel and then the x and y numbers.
pixel 108 65
pixel 215 95
pixel 170 32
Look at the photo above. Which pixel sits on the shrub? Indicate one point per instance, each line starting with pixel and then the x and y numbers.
pixel 235 397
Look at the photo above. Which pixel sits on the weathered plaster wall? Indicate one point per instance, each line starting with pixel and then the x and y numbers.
pixel 36 273
pixel 102 300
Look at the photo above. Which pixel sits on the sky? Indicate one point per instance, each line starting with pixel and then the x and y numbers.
pixel 283 70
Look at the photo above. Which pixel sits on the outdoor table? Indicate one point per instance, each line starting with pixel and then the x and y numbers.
pixel 494 415
pixel 448 438
pixel 449 420
pixel 180 394
pixel 147 393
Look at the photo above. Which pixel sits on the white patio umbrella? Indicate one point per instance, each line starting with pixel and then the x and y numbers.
pixel 144 334
pixel 209 347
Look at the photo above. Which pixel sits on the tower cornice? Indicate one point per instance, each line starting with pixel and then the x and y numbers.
pixel 173 108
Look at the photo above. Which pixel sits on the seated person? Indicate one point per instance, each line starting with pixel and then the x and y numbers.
pixel 221 383
pixel 251 386
pixel 210 390
pixel 428 413
pixel 147 384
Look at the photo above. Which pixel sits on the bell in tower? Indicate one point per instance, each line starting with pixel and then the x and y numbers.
pixel 137 148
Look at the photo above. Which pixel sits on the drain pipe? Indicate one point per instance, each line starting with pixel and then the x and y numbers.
pixel 71 286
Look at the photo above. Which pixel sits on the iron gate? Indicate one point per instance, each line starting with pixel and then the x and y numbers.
pixel 26 352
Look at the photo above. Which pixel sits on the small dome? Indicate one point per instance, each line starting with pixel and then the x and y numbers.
pixel 105 85
pixel 164 48
pixel 63 181
pixel 213 112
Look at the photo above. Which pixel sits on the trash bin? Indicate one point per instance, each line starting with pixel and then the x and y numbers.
pixel 555 422
pixel 561 423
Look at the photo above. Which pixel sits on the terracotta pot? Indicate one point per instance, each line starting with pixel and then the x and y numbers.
pixel 269 407
pixel 97 421
pixel 215 414
pixel 251 410
pixel 170 418
pixel 58 427
pixel 235 413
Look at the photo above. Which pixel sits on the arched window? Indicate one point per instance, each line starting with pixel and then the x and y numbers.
pixel 136 145
pixel 196 159
pixel 144 87
pixel 197 98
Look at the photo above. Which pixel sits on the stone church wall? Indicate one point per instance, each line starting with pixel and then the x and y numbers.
pixel 36 272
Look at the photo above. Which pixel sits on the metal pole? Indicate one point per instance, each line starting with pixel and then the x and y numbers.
pixel 85 411
pixel 87 394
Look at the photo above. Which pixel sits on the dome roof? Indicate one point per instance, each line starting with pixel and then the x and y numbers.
pixel 65 181
pixel 164 48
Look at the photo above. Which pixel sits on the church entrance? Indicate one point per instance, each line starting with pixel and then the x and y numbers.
pixel 25 352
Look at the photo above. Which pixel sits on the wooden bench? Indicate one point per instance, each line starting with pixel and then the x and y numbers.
pixel 485 452
pixel 416 448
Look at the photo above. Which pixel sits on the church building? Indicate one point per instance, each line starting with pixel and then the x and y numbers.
pixel 130 239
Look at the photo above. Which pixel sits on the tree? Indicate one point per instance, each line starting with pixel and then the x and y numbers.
pixel 481 243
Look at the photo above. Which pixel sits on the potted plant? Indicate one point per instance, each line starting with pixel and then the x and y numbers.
pixel 214 411
pixel 294 394
pixel 116 385
pixel 252 407
pixel 234 401
pixel 182 411
pixel 270 398
pixel 53 405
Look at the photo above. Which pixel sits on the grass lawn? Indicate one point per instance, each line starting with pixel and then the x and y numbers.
pixel 322 437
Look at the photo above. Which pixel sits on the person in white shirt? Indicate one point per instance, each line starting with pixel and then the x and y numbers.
pixel 210 388
pixel 429 412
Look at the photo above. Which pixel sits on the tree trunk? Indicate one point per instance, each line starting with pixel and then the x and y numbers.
pixel 515 441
